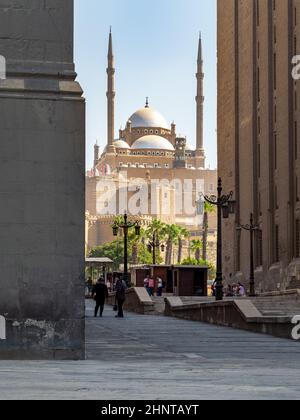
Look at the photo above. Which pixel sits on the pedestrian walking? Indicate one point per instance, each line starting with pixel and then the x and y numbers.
pixel 120 297
pixel 99 294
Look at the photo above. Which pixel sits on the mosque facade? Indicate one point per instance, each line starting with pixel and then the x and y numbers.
pixel 148 171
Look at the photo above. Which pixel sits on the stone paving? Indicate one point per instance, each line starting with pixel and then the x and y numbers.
pixel 152 357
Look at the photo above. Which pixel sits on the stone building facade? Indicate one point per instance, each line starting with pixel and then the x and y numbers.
pixel 148 151
pixel 258 136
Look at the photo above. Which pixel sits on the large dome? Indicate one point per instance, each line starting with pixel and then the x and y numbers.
pixel 149 118
pixel 152 142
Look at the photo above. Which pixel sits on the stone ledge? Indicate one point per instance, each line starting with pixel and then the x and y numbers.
pixel 137 301
pixel 239 314
pixel 295 292
pixel 41 87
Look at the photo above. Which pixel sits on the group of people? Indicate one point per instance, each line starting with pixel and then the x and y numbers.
pixel 100 294
pixel 232 290
pixel 151 285
pixel 235 290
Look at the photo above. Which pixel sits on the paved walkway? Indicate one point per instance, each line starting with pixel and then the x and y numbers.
pixel 152 357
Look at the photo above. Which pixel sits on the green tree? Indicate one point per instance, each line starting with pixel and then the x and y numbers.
pixel 211 267
pixel 113 250
pixel 196 247
pixel 144 256
pixel 182 235
pixel 156 231
pixel 189 261
pixel 139 249
pixel 134 242
pixel 172 235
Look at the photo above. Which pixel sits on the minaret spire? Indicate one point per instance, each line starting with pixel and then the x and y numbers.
pixel 110 94
pixel 200 101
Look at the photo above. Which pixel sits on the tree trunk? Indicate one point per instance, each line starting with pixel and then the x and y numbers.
pixel 205 236
pixel 169 252
pixel 135 254
pixel 180 246
pixel 198 255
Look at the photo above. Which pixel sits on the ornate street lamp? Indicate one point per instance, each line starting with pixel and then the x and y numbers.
pixel 226 207
pixel 154 245
pixel 252 227
pixel 126 226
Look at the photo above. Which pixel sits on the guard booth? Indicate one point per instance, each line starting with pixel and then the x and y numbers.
pixel 179 280
pixel 190 280
pixel 138 275
pixel 165 273
pixel 98 267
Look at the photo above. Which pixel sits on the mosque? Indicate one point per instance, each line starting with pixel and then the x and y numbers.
pixel 149 150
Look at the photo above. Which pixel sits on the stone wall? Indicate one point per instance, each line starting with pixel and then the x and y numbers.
pixel 258 136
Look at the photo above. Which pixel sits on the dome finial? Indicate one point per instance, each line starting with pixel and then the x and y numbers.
pixel 147 102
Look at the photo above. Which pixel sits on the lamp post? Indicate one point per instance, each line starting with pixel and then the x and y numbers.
pixel 225 206
pixel 252 227
pixel 153 245
pixel 126 226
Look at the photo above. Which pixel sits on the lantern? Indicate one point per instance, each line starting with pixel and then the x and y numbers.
pixel 138 230
pixel 225 209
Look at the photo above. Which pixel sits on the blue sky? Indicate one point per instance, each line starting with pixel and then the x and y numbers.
pixel 155 47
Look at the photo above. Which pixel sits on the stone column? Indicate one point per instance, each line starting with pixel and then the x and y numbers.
pixel 42 167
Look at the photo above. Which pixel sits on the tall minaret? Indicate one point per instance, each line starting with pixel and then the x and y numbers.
pixel 200 103
pixel 110 96
pixel 96 154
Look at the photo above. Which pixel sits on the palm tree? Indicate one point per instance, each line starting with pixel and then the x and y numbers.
pixel 172 235
pixel 155 233
pixel 182 235
pixel 208 209
pixel 135 242
pixel 197 246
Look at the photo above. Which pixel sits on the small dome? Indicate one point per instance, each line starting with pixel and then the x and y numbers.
pixel 152 142
pixel 121 144
pixel 189 148
pixel 148 118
